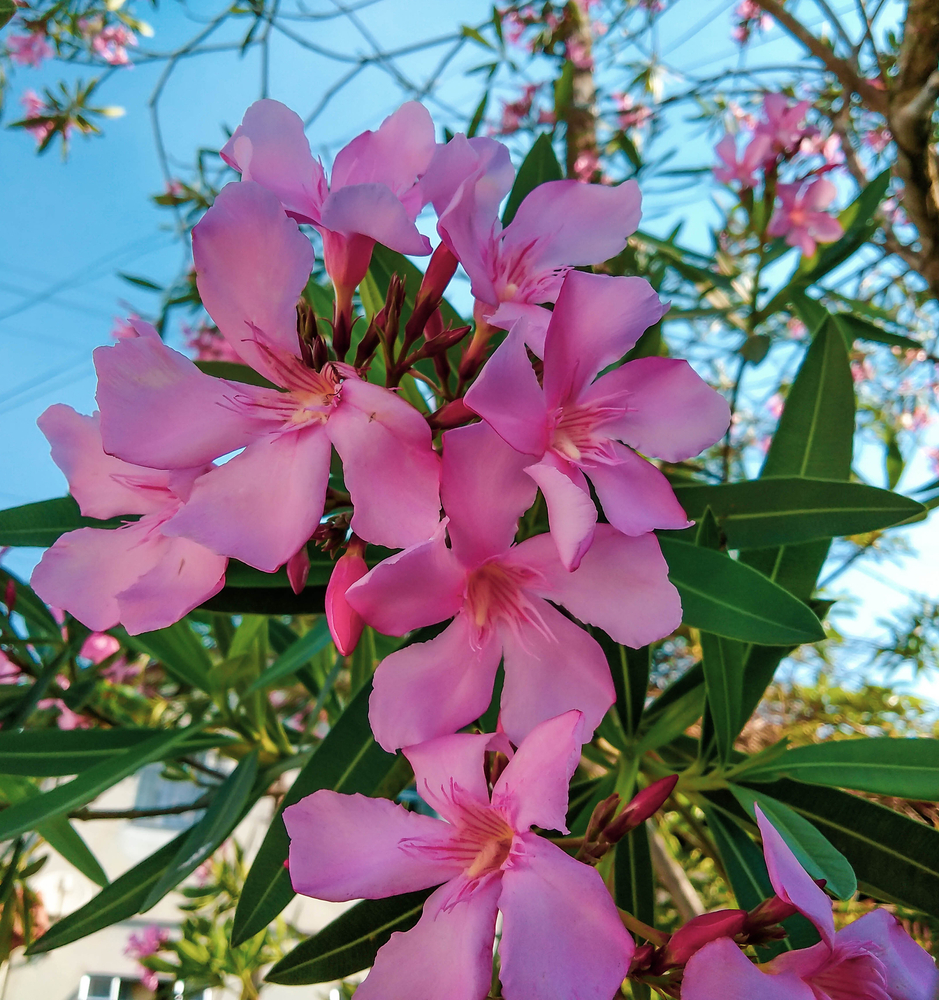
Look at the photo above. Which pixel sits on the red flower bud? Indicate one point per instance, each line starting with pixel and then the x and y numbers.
pixel 640 808
pixel 345 623
pixel 696 934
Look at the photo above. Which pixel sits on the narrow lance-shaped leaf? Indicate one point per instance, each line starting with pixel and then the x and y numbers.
pixel 179 649
pixel 539 165
pixel 633 886
pixel 295 656
pixel 40 524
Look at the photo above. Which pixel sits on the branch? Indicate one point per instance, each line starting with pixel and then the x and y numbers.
pixel 138 813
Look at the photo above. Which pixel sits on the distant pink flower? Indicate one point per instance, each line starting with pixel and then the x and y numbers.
pixel 36 108
pixel 148 942
pixel 795 328
pixel 774 406
pixel 99 646
pixel 579 54
pixel 587 165
pixel 827 147
pixel 573 427
pixel 800 216
pixel 10 673
pixel 111 44
pixel 65 719
pixel 29 49
pixel 252 263
pixel 561 934
pixel 373 195
pixel 877 139
pixel 207 344
pixel 871 959
pixel 782 122
pixel 497 594
pixel 741 170
pixel 515 112
pixel 136 574
pixel 632 114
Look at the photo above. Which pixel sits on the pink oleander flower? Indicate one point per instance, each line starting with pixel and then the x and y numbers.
pixel 587 165
pixel 207 344
pixel 741 170
pixel 782 123
pixel 800 216
pixel 870 959
pixel 148 942
pixel 828 147
pixel 372 196
pixel 559 225
pixel 497 594
pixel 35 107
pixel 877 139
pixel 111 44
pixel 65 719
pixel 252 263
pixel 571 429
pixel 30 49
pixel 98 647
pixel 10 673
pixel 515 112
pixel 561 934
pixel 137 574
pixel 631 114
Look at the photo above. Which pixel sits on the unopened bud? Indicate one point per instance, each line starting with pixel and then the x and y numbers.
pixel 9 595
pixel 647 803
pixel 445 340
pixel 389 318
pixel 439 271
pixel 320 353
pixel 452 414
pixel 298 569
pixel 368 344
pixel 345 623
pixel 602 813
pixel 768 914
pixel 695 934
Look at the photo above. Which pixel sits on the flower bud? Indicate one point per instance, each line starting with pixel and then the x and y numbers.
pixel 345 623
pixel 640 808
pixel 434 283
pixel 298 569
pixel 696 934
pixel 451 414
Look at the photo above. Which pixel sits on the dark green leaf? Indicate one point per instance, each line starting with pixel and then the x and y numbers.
pixel 134 279
pixel 41 523
pixel 728 598
pixel 60 835
pixel 884 765
pixel 350 943
pixel 228 806
pixel 268 601
pixel 539 166
pixel 633 885
pixel 630 669
pixel 33 610
pixel 788 509
pixel 234 372
pixel 178 648
pixel 295 656
pixel 856 328
pixel 7 10
pixel 723 674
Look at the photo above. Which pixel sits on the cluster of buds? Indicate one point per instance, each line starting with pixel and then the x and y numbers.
pixel 608 823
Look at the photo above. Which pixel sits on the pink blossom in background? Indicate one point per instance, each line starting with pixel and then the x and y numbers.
pixel 877 139
pixel 579 54
pixel 497 594
pixel 373 194
pixel 207 344
pixel 10 673
pixel 783 122
pixel 561 934
pixel 136 575
pixel 872 958
pixel 35 107
pixel 801 218
pixel 99 646
pixel 252 264
pixel 587 165
pixel 573 427
pixel 631 113
pixel 515 112
pixel 30 49
pixel 741 170
pixel 148 942
pixel 111 43
pixel 65 718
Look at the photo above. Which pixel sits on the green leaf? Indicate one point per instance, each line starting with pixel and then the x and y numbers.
pixel 785 510
pixel 633 885
pixel 134 279
pixel 896 859
pixel 350 943
pixel 539 166
pixel 348 760
pixel 33 610
pixel 883 765
pixel 813 850
pixel 7 10
pixel 234 372
pixel 268 601
pixel 117 901
pixel 52 753
pixel 856 328
pixel 295 656
pixel 59 833
pixel 728 598
pixel 231 800
pixel 41 523
pixel 630 669
pixel 723 676
pixel 178 648
pixel 77 792
pixel 673 711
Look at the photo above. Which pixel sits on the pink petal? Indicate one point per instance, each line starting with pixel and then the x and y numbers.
pixel 911 972
pixel 471 233
pixel 158 409
pixel 482 162
pixel 532 322
pixel 572 515
pixel 389 465
pixel 252 263
pixel 373 210
pixel 573 223
pixel 533 789
pixel 596 320
pixel 721 970
pixel 673 413
pixel 345 623
pixel 484 491
pixel 826 229
pixel 450 762
pixel 185 576
pixel 561 934
pixel 97 481
pixel 506 394
pixel 434 688
pixel 819 195
pixel 791 881
pixel 552 671
pixel 270 147
pixel 635 496
pixel 621 584
pixel 447 955
pixel 419 586
pixel 349 846
pixel 262 505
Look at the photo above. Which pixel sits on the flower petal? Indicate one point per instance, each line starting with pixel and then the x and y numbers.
pixel 389 465
pixel 252 263
pixel 485 163
pixel 596 320
pixel 434 688
pixel 271 148
pixel 350 846
pixel 720 969
pixel 373 210
pixel 561 934
pixel 448 762
pixel 484 491
pixel 447 955
pixel 533 789
pixel 673 413
pixel 262 505
pixel 420 586
pixel 621 585
pixel 158 409
pixel 552 670
pixel 572 515
pixel 635 496
pixel 532 322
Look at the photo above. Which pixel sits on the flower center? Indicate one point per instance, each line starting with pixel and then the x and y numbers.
pixel 497 593
pixel 578 433
pixel 854 977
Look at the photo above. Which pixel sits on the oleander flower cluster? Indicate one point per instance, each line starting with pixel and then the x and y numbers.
pixel 316 444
